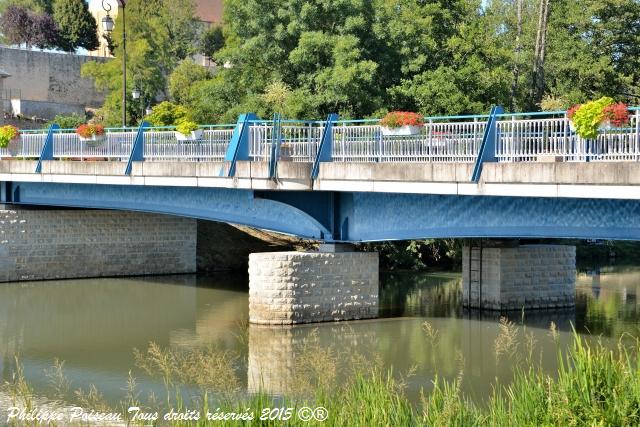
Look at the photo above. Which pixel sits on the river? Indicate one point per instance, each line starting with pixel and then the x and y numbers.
pixel 94 325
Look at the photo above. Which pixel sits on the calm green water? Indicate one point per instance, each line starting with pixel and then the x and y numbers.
pixel 94 325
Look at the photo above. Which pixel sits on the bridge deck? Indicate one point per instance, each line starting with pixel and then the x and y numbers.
pixel 619 180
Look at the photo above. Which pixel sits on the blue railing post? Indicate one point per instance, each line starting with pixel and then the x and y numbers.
pixel 276 140
pixel 137 150
pixel 47 147
pixel 326 145
pixel 487 152
pixel 239 146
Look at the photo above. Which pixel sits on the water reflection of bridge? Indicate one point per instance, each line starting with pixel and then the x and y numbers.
pixel 95 324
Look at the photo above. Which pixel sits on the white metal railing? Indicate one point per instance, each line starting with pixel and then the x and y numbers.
pixel 437 141
pixel 29 145
pixel 115 145
pixel 299 142
pixel 526 140
pixel 519 140
pixel 533 140
pixel 163 145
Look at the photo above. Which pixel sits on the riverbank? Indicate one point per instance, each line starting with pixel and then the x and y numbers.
pixel 595 385
pixel 446 254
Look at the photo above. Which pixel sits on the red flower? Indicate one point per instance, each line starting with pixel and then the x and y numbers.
pixel 396 119
pixel 88 130
pixel 617 114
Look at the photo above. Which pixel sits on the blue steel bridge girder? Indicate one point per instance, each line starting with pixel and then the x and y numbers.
pixel 354 216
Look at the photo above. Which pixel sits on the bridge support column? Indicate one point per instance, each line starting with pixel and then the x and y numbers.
pixel 513 278
pixel 307 287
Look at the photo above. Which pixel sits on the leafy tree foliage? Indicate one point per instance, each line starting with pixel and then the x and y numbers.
pixel 70 121
pixel 77 26
pixel 21 26
pixel 361 58
pixel 38 6
pixel 160 33
pixel 183 77
pixel 212 41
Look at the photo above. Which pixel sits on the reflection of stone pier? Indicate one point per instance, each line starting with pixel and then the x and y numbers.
pixel 271 359
pixel 516 277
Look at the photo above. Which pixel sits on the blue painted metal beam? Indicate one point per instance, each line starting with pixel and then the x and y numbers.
pixel 326 145
pixel 276 141
pixel 47 148
pixel 239 146
pixel 353 217
pixel 137 150
pixel 215 204
pixel 487 151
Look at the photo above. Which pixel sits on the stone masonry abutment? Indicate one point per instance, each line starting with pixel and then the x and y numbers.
pixel 40 244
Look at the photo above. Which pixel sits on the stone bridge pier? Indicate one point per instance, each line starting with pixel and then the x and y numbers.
pixel 305 287
pixel 509 276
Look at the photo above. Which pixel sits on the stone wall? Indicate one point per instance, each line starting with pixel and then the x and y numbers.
pixel 305 287
pixel 223 247
pixel 44 109
pixel 40 244
pixel 527 276
pixel 45 76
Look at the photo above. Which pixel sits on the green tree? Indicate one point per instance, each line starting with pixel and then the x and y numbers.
pixel 160 33
pixel 37 6
pixel 77 27
pixel 183 78
pixel 212 41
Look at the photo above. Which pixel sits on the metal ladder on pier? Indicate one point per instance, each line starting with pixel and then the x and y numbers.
pixel 475 275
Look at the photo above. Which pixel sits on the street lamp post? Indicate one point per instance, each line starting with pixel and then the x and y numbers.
pixel 135 94
pixel 107 26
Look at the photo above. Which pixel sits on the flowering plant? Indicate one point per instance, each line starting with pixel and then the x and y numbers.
pixel 396 119
pixel 617 114
pixel 89 130
pixel 185 127
pixel 571 111
pixel 8 133
pixel 589 117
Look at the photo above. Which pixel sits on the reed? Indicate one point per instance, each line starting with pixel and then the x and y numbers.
pixel 594 385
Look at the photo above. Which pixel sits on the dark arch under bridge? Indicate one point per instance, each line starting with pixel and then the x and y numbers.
pixel 354 216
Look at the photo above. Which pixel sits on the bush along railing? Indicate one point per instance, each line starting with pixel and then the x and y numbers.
pixel 521 137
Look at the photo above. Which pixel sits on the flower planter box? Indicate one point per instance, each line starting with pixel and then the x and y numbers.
pixel 196 135
pixel 401 131
pixel 14 147
pixel 96 141
pixel 549 158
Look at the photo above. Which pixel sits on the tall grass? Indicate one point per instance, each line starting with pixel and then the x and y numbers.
pixel 594 386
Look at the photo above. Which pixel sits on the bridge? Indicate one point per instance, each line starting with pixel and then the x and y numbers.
pixel 501 175
pixel 525 175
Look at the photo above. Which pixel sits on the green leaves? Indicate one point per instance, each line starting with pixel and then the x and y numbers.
pixel 77 27
pixel 365 57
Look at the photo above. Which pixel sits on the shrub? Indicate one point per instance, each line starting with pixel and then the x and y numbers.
pixel 167 114
pixel 185 127
pixel 588 117
pixel 7 133
pixel 88 130
pixel 571 111
pixel 71 121
pixel 396 119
